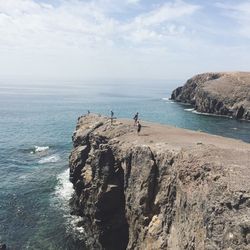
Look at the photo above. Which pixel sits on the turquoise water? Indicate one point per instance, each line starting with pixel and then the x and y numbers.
pixel 34 187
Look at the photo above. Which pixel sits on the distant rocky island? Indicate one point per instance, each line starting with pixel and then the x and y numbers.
pixel 168 188
pixel 225 94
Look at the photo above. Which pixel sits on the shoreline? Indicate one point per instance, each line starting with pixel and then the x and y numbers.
pixel 206 114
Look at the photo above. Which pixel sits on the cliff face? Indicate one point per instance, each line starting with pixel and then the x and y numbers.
pixel 217 93
pixel 165 189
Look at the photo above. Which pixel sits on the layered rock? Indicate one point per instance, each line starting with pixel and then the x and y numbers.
pixel 165 189
pixel 217 93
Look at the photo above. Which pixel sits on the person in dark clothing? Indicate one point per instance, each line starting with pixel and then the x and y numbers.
pixel 111 116
pixel 136 118
pixel 138 127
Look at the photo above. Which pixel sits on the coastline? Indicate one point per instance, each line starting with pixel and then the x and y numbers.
pixel 221 93
pixel 203 113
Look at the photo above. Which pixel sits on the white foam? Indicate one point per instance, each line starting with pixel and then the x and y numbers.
pixel 64 189
pixel 168 101
pixel 63 192
pixel 210 114
pixel 165 98
pixel 40 149
pixel 189 110
pixel 49 159
pixel 61 197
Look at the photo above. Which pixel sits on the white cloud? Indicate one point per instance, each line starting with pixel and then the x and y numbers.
pixel 241 13
pixel 166 12
pixel 75 23
pixel 133 1
pixel 98 38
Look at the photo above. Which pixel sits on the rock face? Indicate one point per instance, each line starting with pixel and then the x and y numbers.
pixel 217 93
pixel 159 190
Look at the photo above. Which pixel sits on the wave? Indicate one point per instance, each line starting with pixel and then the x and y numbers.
pixel 189 110
pixel 167 99
pixel 211 114
pixel 64 189
pixel 39 149
pixel 50 159
pixel 61 198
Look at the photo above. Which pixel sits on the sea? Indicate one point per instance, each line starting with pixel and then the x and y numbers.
pixel 37 120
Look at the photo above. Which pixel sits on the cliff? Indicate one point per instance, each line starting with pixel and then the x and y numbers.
pixel 217 93
pixel 167 188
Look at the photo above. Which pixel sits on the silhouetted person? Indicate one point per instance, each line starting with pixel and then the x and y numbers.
pixel 88 112
pixel 111 116
pixel 136 118
pixel 138 127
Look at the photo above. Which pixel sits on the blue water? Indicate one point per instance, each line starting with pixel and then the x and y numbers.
pixel 34 191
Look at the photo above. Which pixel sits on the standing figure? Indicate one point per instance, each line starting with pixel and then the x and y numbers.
pixel 138 127
pixel 111 116
pixel 88 112
pixel 136 118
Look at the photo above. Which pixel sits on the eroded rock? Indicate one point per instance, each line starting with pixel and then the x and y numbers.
pixel 138 195
pixel 217 93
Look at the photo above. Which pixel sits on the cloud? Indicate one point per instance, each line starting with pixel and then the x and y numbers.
pixel 133 1
pixel 161 22
pixel 240 12
pixel 76 23
pixel 166 12
pixel 112 38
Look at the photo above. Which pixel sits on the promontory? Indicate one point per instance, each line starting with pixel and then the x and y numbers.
pixel 166 188
pixel 217 93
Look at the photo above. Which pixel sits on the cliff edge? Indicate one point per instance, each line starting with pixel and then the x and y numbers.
pixel 167 188
pixel 217 93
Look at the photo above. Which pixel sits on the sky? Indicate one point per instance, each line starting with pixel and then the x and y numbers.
pixel 123 39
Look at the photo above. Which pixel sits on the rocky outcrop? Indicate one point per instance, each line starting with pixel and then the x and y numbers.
pixel 158 190
pixel 2 246
pixel 217 93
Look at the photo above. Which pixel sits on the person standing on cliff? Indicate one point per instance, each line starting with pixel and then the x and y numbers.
pixel 111 116
pixel 138 127
pixel 136 118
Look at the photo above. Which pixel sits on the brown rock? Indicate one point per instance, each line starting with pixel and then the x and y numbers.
pixel 139 192
pixel 217 93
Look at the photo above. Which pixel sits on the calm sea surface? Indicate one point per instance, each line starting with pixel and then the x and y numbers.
pixel 36 124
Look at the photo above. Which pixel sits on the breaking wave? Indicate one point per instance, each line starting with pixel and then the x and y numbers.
pixel 39 149
pixel 189 110
pixel 64 189
pixel 49 159
pixel 61 197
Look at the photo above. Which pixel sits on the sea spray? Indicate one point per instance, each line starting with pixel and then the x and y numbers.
pixel 61 198
pixel 50 159
pixel 39 149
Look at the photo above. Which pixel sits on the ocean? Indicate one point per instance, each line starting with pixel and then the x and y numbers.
pixel 37 120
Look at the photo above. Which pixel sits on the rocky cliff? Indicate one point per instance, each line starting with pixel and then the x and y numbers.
pixel 217 93
pixel 167 188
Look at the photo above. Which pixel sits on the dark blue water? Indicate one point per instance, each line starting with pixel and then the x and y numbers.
pixel 34 191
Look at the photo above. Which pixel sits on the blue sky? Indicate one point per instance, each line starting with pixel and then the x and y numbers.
pixel 123 39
